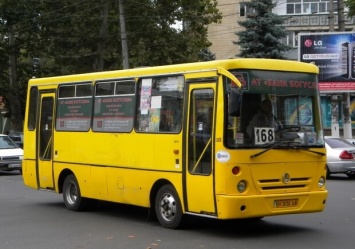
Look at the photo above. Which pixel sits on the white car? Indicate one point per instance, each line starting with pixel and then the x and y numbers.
pixel 11 154
pixel 340 156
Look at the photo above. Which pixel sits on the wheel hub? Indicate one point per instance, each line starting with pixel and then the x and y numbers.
pixel 168 207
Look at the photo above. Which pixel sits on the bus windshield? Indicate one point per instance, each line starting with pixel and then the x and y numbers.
pixel 273 108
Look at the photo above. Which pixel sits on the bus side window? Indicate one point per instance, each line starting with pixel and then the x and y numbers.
pixel 165 124
pixel 32 112
pixel 160 104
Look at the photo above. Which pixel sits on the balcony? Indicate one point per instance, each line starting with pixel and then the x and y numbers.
pixel 314 22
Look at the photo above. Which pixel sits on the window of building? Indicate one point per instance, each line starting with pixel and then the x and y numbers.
pixel 242 9
pixel 322 7
pixel 245 10
pixel 290 39
pixel 308 6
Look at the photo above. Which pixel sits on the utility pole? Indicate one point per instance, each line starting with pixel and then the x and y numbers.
pixel 341 16
pixel 15 108
pixel 99 65
pixel 123 35
pixel 12 56
pixel 331 16
pixel 334 98
pixel 347 130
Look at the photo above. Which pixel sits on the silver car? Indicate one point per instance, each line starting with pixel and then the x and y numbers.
pixel 340 156
pixel 351 140
pixel 11 154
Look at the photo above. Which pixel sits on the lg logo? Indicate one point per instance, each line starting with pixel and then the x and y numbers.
pixel 308 43
pixel 318 43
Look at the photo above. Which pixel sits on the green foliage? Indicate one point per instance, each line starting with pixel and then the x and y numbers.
pixel 159 43
pixel 351 5
pixel 206 55
pixel 262 32
pixel 70 37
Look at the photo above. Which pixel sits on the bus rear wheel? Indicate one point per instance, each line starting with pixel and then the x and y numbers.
pixel 71 194
pixel 168 207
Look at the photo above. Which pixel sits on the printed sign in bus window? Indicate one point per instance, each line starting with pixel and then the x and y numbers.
pixel 114 113
pixel 114 106
pixel 74 107
pixel 74 114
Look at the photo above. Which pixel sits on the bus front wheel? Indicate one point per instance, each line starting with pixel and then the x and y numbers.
pixel 168 207
pixel 71 194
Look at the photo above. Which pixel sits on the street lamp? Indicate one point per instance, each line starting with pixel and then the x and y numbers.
pixel 35 66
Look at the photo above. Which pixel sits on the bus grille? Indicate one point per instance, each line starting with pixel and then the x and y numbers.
pixel 277 184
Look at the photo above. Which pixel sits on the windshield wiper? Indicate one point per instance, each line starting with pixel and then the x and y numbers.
pixel 269 148
pixel 292 144
pixel 307 149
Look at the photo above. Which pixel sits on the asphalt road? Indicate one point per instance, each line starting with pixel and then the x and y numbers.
pixel 33 219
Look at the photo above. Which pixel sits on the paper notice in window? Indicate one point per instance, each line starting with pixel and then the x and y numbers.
pixel 155 102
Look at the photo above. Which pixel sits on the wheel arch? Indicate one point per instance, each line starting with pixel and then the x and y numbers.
pixel 153 193
pixel 62 177
pixel 155 188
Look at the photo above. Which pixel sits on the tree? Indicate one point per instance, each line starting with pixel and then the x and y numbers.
pixel 17 20
pixel 206 55
pixel 262 32
pixel 351 5
pixel 152 39
pixel 70 37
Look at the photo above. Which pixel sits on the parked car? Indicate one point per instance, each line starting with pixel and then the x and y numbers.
pixel 340 156
pixel 351 140
pixel 17 137
pixel 11 154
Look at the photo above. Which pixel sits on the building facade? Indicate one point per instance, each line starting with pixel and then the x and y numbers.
pixel 301 16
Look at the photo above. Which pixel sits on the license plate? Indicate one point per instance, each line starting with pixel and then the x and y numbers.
pixel 285 203
pixel 14 165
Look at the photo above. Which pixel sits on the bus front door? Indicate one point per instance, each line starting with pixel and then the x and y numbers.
pixel 199 148
pixel 45 141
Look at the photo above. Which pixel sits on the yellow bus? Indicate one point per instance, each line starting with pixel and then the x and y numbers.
pixel 175 139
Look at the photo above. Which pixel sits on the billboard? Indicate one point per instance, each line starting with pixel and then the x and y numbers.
pixel 334 54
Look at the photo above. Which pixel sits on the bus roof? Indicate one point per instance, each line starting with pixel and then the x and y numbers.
pixel 241 63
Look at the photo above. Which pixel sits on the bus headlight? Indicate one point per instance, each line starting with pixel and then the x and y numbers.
pixel 321 182
pixel 241 186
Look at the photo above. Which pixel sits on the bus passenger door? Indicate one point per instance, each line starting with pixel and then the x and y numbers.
pixel 45 141
pixel 199 149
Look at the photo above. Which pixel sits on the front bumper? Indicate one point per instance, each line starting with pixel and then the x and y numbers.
pixel 10 165
pixel 240 207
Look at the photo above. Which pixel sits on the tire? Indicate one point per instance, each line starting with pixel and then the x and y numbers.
pixel 351 176
pixel 328 173
pixel 71 194
pixel 168 207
